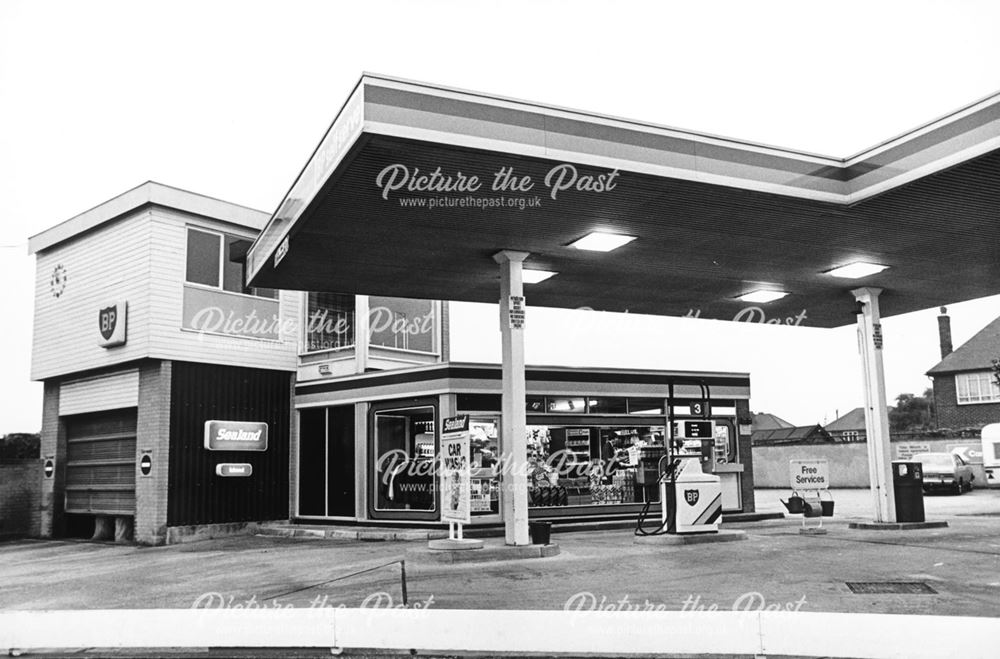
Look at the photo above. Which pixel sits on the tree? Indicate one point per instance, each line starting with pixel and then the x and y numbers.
pixel 912 412
pixel 996 371
pixel 19 446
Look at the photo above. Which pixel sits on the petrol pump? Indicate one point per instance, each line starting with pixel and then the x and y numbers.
pixel 697 494
pixel 690 496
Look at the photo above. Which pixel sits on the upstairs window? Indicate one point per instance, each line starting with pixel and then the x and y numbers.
pixel 329 323
pixel 402 323
pixel 977 388
pixel 217 260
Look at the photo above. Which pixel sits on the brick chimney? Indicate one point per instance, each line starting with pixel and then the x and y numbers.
pixel 944 332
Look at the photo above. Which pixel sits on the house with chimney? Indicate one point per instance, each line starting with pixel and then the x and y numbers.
pixel 966 394
pixel 850 427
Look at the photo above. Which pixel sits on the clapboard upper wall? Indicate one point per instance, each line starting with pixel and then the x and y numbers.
pixel 133 250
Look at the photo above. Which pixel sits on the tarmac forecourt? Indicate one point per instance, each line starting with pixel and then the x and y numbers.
pixel 600 633
pixel 850 593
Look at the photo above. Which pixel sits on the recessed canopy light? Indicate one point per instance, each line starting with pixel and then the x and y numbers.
pixel 761 297
pixel 856 270
pixel 599 241
pixel 535 276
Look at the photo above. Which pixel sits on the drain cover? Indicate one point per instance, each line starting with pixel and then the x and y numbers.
pixel 890 588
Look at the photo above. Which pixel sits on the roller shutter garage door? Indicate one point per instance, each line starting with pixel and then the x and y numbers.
pixel 100 462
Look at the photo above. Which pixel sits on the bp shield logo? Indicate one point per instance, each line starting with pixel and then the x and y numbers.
pixel 108 319
pixel 691 496
pixel 112 321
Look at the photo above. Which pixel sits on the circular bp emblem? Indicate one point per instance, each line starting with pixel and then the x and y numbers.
pixel 57 283
pixel 145 464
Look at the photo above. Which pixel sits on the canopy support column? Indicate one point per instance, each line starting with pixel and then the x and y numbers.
pixel 514 462
pixel 876 410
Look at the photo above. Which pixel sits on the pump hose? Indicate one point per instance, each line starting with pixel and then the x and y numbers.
pixel 664 527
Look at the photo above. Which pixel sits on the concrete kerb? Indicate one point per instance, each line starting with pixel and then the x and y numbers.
pixel 897 526
pixel 489 552
pixel 723 535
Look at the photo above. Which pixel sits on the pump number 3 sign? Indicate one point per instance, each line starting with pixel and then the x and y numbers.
pixel 809 474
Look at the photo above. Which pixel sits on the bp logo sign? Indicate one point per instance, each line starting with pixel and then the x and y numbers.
pixel 111 323
pixel 108 320
pixel 691 496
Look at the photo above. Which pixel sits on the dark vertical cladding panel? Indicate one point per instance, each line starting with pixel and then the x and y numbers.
pixel 201 392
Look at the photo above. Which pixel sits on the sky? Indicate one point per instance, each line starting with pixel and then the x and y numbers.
pixel 228 99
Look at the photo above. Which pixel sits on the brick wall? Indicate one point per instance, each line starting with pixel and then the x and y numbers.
pixel 20 498
pixel 952 415
pixel 152 437
pixel 53 444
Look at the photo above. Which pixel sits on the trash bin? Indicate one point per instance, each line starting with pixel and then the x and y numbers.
pixel 540 532
pixel 908 487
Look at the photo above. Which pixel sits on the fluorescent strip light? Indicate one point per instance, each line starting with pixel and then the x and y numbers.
pixel 760 297
pixel 856 270
pixel 598 241
pixel 535 276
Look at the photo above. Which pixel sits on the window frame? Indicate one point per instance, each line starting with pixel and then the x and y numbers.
pixel 304 329
pixel 436 308
pixel 967 379
pixel 221 277
pixel 389 406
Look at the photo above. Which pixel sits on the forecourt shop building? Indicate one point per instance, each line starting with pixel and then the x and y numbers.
pixel 424 192
pixel 181 403
pixel 160 375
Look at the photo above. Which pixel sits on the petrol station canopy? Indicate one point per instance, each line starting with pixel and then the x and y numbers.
pixel 415 187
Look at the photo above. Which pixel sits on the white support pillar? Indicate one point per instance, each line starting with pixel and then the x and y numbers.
pixel 514 450
pixel 876 410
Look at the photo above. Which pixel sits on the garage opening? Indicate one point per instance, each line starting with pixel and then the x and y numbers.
pixel 100 474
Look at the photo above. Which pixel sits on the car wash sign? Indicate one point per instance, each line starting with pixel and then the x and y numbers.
pixel 235 436
pixel 456 474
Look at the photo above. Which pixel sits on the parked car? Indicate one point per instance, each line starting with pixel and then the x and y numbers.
pixel 945 471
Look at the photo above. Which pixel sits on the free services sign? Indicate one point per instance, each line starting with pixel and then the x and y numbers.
pixel 456 471
pixel 809 474
pixel 235 436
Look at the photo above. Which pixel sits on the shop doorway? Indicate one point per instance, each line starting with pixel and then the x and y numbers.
pixel 403 446
pixel 327 481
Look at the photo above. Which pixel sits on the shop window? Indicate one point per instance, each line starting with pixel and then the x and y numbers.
pixel 607 406
pixel 534 404
pixel 405 463
pixel 217 260
pixel 479 402
pixel 402 323
pixel 329 323
pixel 977 388
pixel 484 445
pixel 645 406
pixel 565 405
pixel 586 466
